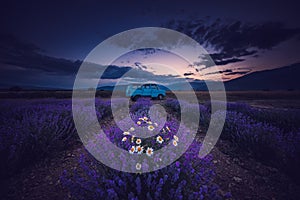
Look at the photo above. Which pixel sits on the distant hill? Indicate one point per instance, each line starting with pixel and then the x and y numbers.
pixel 284 78
pixel 111 88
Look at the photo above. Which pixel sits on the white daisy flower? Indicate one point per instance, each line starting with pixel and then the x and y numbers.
pixel 175 138
pixel 149 122
pixel 138 166
pixel 159 139
pixel 139 149
pixel 138 141
pixel 124 139
pixel 132 138
pixel 131 129
pixel 155 124
pixel 138 123
pixel 145 118
pixel 141 118
pixel 150 128
pixel 132 150
pixel 126 133
pixel 174 142
pixel 149 151
pixel 168 128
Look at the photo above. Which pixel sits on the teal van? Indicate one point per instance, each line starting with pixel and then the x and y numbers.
pixel 146 90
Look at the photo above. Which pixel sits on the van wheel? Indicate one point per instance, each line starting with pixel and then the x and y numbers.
pixel 135 98
pixel 160 97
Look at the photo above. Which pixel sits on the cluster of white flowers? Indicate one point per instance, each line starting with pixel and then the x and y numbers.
pixel 137 142
pixel 139 150
pixel 147 121
pixel 175 140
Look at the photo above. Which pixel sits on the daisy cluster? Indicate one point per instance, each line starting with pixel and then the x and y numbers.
pixel 138 146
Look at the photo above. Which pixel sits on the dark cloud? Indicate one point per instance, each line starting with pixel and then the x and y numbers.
pixel 114 72
pixel 9 43
pixel 16 54
pixel 227 61
pixel 227 72
pixel 29 56
pixel 140 65
pixel 188 74
pixel 234 39
pixel 237 73
pixel 219 72
pixel 148 51
pixel 25 65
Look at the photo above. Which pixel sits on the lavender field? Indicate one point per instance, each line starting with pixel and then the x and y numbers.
pixel 42 157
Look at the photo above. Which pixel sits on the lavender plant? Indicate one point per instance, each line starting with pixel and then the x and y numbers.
pixel 264 141
pixel 31 130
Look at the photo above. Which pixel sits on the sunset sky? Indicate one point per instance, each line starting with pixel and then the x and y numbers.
pixel 42 44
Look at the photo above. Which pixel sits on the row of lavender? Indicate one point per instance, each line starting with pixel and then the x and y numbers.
pixel 269 135
pixel 32 130
pixel 272 136
pixel 188 178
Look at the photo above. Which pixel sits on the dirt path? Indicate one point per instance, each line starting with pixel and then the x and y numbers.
pixel 41 181
pixel 246 178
